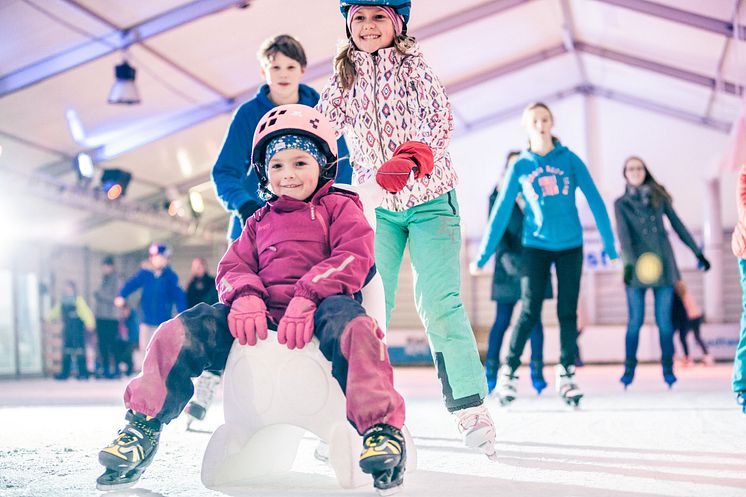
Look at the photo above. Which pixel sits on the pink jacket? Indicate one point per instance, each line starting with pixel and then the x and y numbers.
pixel 738 240
pixel 396 98
pixel 289 248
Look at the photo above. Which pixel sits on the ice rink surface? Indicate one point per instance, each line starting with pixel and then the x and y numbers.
pixel 648 441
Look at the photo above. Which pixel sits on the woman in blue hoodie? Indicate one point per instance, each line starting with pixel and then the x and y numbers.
pixel 547 174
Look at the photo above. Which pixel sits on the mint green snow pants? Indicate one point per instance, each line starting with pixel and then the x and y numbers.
pixel 434 235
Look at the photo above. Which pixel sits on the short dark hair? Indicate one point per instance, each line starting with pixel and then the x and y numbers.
pixel 287 45
pixel 108 261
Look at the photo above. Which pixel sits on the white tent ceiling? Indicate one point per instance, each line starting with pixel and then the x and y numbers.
pixel 196 62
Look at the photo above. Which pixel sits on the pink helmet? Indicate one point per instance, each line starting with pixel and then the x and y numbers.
pixel 294 119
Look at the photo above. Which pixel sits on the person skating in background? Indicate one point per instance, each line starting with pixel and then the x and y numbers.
pixel 397 121
pixel 107 318
pixel 649 261
pixel 548 175
pixel 128 337
pixel 76 318
pixel 506 291
pixel 160 295
pixel 299 267
pixel 687 316
pixel 282 62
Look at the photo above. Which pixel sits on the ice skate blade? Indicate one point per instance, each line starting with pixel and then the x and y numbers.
pixel 389 491
pixel 117 483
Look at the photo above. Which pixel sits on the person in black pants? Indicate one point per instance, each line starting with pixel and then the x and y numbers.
pixel 506 291
pixel 76 317
pixel 107 322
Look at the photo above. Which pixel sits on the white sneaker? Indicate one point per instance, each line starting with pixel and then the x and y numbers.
pixel 477 429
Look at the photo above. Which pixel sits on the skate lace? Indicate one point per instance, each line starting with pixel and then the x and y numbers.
pixel 473 418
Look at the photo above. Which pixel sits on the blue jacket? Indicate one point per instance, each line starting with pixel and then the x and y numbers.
pixel 235 182
pixel 551 219
pixel 159 294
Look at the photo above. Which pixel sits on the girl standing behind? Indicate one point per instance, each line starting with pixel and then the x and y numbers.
pixel 397 123
pixel 547 174
pixel 76 318
pixel 506 291
pixel 648 260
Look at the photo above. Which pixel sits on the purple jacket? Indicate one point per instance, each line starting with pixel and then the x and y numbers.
pixel 289 248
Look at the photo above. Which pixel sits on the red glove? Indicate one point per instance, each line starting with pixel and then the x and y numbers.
pixel 247 319
pixel 393 174
pixel 296 326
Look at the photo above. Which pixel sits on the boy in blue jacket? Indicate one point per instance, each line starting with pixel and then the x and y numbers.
pixel 283 62
pixel 160 294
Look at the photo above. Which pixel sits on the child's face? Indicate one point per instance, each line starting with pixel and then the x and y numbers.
pixel 371 29
pixel 158 261
pixel 283 77
pixel 539 124
pixel 294 173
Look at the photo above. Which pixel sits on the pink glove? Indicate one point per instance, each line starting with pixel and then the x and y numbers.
pixel 247 319
pixel 296 326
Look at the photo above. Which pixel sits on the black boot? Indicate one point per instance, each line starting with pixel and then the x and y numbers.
pixel 130 453
pixel 384 456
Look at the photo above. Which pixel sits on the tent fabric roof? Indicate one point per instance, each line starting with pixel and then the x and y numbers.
pixel 196 62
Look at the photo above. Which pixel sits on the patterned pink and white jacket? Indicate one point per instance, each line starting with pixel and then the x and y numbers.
pixel 395 98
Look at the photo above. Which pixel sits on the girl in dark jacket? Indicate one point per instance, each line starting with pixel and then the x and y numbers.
pixel 648 260
pixel 506 291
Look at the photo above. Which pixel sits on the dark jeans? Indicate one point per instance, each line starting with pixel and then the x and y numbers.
pixel 107 331
pixel 693 325
pixel 536 265
pixel 502 321
pixel 636 315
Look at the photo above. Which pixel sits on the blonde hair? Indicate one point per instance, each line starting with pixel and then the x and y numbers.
pixel 533 106
pixel 344 65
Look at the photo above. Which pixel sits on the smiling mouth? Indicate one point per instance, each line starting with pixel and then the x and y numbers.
pixel 370 37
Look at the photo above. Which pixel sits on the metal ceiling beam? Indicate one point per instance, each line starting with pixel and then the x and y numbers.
pixel 65 194
pixel 665 110
pixel 502 70
pixel 515 111
pixel 111 42
pixel 138 136
pixel 711 24
pixel 657 67
pixel 568 30
pixel 721 61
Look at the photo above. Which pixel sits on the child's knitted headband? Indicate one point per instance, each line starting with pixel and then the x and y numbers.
pixel 296 142
pixel 396 19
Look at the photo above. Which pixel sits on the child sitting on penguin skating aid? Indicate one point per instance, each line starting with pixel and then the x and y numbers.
pixel 298 266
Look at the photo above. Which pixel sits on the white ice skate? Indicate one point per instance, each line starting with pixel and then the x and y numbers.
pixel 566 387
pixel 205 387
pixel 506 390
pixel 477 429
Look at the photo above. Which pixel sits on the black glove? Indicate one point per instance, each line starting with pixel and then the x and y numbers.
pixel 704 264
pixel 628 270
pixel 246 210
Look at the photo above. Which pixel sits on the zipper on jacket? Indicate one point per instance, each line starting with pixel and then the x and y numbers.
pixel 321 221
pixel 375 106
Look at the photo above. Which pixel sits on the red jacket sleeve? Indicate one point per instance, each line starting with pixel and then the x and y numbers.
pixel 238 269
pixel 351 257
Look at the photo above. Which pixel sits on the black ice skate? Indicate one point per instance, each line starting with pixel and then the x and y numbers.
pixel 130 453
pixel 384 456
pixel 566 387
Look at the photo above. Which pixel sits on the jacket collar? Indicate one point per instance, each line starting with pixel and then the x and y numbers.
pixel 390 54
